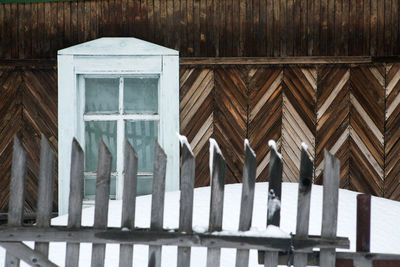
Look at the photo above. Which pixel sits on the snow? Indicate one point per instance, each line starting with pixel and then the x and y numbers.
pixel 271 231
pixel 247 144
pixel 213 147
pixel 184 142
pixel 304 146
pixel 385 216
pixel 272 144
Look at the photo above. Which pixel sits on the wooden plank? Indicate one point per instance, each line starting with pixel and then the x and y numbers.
pixel 217 174
pixel 274 60
pixel 17 193
pixel 247 200
pixel 186 200
pixel 128 201
pixel 25 253
pixel 75 201
pixel 303 203
pixel 45 193
pixel 101 200
pixel 166 237
pixel 157 201
pixel 274 199
pixel 330 206
pixel 363 223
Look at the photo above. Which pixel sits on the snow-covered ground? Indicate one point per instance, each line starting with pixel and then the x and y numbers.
pixel 384 235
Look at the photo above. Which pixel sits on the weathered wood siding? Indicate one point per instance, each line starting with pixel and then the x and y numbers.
pixel 207 28
pixel 28 108
pixel 353 111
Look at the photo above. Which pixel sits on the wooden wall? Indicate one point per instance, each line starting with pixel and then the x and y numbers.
pixel 207 28
pixel 351 110
pixel 28 108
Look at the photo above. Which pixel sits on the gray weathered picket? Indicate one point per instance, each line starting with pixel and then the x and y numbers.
pixel 330 206
pixel 157 201
pixel 186 201
pixel 45 194
pixel 127 235
pixel 128 202
pixel 218 166
pixel 303 204
pixel 101 200
pixel 246 208
pixel 75 201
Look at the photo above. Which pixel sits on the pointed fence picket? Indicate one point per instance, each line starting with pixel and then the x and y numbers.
pixel 272 251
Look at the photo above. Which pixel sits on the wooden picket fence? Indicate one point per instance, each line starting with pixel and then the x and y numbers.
pixel 272 250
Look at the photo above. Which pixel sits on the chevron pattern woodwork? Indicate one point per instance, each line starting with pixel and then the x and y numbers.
pixel 392 132
pixel 298 117
pixel 29 108
pixel 353 111
pixel 265 114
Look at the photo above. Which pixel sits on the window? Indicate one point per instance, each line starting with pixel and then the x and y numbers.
pixel 118 108
pixel 117 89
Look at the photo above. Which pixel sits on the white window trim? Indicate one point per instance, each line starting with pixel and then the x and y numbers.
pixel 71 67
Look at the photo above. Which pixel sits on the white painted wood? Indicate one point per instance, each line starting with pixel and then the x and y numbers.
pixel 117 46
pixel 67 108
pixel 116 57
pixel 117 64
pixel 169 118
pixel 133 117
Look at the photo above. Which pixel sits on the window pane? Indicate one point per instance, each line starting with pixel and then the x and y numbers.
pixel 90 186
pixel 142 135
pixel 141 95
pixel 101 95
pixel 145 184
pixel 94 130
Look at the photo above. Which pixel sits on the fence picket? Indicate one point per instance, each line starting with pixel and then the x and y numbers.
pixel 330 206
pixel 157 201
pixel 218 166
pixel 186 201
pixel 101 200
pixel 45 192
pixel 17 193
pixel 128 202
pixel 75 201
pixel 247 200
pixel 274 201
pixel 303 204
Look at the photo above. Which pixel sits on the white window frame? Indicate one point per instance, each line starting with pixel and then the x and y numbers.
pixel 72 66
pixel 119 117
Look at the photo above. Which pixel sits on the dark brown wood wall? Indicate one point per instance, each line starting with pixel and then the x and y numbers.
pixel 207 28
pixel 28 108
pixel 351 110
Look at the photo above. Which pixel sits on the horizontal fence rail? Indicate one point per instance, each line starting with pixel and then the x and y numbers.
pixel 295 249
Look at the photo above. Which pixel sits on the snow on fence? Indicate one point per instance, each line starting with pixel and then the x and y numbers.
pixel 273 248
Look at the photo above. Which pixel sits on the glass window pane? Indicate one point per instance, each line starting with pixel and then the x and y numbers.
pixel 90 186
pixel 145 184
pixel 94 130
pixel 141 95
pixel 142 135
pixel 101 95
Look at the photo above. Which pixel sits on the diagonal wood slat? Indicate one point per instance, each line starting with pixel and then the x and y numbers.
pixel 298 117
pixel 28 106
pixel 333 112
pixel 265 114
pixel 392 132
